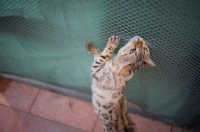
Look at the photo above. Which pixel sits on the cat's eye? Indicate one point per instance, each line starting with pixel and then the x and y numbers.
pixel 132 51
pixel 144 49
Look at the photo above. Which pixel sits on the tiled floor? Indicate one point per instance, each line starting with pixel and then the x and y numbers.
pixel 24 108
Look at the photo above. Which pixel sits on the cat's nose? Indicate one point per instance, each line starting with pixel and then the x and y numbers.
pixel 139 43
pixel 139 40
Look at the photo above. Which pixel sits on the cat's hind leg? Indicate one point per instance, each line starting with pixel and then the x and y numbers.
pixel 90 47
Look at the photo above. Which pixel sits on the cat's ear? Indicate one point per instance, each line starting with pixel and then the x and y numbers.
pixel 124 69
pixel 149 62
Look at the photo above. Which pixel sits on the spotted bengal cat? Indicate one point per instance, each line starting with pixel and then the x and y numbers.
pixel 110 77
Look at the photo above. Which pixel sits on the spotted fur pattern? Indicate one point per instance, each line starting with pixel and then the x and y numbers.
pixel 109 78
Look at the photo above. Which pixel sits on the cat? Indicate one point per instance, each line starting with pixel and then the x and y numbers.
pixel 109 78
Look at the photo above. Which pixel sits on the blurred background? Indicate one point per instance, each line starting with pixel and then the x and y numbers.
pixel 43 43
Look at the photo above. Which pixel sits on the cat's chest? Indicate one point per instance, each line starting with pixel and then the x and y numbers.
pixel 108 80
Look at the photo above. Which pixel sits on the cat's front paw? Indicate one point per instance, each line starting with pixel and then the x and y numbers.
pixel 113 42
pixel 89 46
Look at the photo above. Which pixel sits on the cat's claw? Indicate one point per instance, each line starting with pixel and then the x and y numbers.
pixel 113 42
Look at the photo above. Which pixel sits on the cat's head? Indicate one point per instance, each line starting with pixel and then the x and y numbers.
pixel 134 54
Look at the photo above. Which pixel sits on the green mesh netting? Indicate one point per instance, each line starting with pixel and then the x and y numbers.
pixel 45 40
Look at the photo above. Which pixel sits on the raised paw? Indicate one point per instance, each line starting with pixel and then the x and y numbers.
pixel 90 47
pixel 113 42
